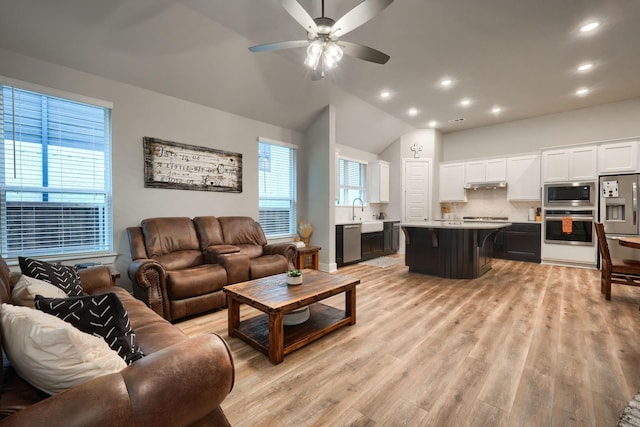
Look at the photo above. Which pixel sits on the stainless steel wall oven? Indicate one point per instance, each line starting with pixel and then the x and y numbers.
pixel 569 226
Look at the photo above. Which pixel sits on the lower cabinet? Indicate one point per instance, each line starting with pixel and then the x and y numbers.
pixel 381 243
pixel 519 242
pixel 339 244
pixel 388 237
pixel 372 245
pixel 395 241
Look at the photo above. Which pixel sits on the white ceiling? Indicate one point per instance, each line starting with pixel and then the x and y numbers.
pixel 519 54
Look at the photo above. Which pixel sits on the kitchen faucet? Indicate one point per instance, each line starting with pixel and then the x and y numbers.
pixel 353 208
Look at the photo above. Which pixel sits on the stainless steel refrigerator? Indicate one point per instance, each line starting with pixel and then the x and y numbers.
pixel 619 211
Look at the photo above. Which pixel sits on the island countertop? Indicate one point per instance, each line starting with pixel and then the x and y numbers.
pixel 470 225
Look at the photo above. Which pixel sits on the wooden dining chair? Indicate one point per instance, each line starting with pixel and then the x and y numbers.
pixel 620 271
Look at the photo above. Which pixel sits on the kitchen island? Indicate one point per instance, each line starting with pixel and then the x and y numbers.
pixel 450 249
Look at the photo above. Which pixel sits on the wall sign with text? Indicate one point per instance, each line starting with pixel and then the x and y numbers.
pixel 188 167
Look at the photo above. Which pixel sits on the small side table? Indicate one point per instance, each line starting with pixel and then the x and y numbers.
pixel 308 251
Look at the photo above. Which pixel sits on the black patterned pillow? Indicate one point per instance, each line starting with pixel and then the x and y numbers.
pixel 62 276
pixel 100 315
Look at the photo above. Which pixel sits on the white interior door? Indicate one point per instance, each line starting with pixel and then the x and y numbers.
pixel 417 190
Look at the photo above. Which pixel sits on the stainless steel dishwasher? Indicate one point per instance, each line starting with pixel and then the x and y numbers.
pixel 351 245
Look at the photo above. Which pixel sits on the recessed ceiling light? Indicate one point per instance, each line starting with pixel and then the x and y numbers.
pixel 587 28
pixel 385 94
pixel 496 110
pixel 446 82
pixel 582 91
pixel 585 67
pixel 412 112
pixel 465 102
pixel 432 124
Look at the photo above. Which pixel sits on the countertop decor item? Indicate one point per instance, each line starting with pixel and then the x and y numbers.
pixel 294 277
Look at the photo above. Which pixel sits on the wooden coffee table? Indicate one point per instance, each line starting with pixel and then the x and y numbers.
pixel 274 297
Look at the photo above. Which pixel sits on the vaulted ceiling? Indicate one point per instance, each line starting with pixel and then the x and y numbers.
pixel 521 55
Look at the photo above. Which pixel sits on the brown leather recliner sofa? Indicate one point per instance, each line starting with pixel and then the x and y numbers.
pixel 180 382
pixel 180 265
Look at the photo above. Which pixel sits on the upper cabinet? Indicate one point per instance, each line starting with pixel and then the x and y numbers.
pixel 479 171
pixel 524 178
pixel 620 157
pixel 570 164
pixel 452 182
pixel 378 182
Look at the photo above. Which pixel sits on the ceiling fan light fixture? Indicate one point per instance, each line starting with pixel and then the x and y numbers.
pixel 314 52
pixel 332 55
pixel 324 33
pixel 328 51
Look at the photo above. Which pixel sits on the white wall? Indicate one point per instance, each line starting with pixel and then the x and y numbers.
pixel 138 113
pixel 393 155
pixel 599 123
pixel 318 180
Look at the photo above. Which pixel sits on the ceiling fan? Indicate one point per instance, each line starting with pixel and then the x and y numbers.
pixel 324 47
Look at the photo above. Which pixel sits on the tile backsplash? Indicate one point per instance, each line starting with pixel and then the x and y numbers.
pixel 491 203
pixel 371 211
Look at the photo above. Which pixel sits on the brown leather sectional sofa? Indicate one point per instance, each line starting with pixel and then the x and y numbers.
pixel 180 265
pixel 180 382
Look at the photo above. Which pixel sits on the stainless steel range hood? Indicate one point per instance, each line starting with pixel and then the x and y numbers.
pixel 486 185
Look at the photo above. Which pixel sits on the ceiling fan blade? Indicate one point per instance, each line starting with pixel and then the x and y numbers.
pixel 363 52
pixel 301 15
pixel 270 47
pixel 358 16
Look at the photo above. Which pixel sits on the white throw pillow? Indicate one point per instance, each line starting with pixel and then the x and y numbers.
pixel 26 289
pixel 52 354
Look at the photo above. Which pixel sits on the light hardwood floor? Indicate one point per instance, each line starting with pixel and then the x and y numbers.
pixel 524 345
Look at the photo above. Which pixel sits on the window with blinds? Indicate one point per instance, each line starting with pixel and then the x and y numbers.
pixel 351 181
pixel 277 173
pixel 55 175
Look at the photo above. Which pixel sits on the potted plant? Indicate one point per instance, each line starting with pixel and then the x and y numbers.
pixel 294 277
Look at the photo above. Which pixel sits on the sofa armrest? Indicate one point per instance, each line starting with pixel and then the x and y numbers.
pixel 149 278
pixel 176 386
pixel 93 278
pixel 288 250
pixel 211 253
pixel 237 267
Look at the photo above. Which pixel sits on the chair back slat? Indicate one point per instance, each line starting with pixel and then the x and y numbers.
pixel 602 245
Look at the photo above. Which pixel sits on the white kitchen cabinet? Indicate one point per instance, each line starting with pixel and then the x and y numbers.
pixel 479 171
pixel 452 182
pixel 378 182
pixel 496 170
pixel 524 178
pixel 583 164
pixel 571 164
pixel 619 157
pixel 474 171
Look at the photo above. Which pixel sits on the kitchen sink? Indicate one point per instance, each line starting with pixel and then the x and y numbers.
pixel 371 226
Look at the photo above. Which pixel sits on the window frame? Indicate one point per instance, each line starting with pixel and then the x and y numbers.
pixel 96 198
pixel 269 166
pixel 344 189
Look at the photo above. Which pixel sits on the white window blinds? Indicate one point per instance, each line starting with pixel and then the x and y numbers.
pixel 351 181
pixel 277 171
pixel 55 175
